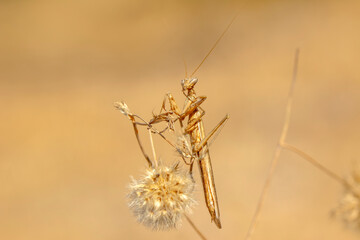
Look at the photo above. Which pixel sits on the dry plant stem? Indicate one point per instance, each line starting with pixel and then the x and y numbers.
pixel 314 163
pixel 153 148
pixel 195 228
pixel 151 129
pixel 275 159
pixel 139 142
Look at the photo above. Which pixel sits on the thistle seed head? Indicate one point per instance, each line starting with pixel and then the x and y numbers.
pixel 349 205
pixel 161 196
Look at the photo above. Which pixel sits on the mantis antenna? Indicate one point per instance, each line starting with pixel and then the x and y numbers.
pixel 215 44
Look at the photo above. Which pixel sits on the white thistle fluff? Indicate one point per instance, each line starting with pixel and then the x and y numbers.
pixel 161 196
pixel 349 206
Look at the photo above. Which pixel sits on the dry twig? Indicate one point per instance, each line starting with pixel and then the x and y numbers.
pixel 275 159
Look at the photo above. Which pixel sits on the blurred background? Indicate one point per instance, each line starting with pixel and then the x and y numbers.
pixel 66 154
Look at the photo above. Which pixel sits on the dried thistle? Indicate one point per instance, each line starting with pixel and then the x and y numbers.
pixel 124 109
pixel 161 196
pixel 349 205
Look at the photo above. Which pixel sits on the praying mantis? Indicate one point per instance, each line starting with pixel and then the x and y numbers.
pixel 199 147
pixel 195 151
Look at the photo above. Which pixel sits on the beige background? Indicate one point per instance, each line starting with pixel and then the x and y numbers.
pixel 66 155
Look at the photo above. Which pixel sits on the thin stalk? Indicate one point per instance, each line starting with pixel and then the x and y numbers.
pixel 195 228
pixel 276 156
pixel 314 163
pixel 153 148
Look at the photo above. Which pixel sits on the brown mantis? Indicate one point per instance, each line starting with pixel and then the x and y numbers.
pixel 198 149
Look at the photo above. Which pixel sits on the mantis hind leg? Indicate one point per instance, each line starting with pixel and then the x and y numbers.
pixel 204 142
